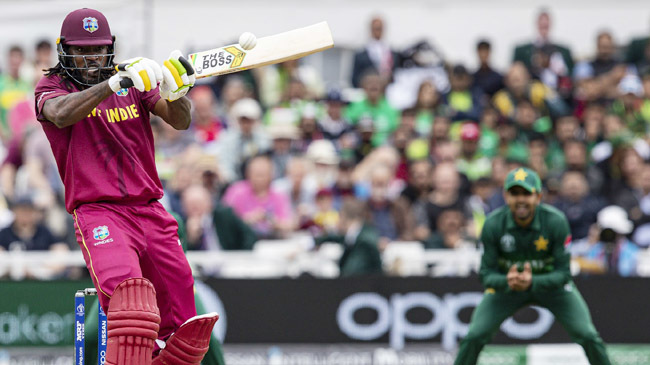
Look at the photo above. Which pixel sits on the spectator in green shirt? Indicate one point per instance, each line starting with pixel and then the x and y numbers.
pixel 375 106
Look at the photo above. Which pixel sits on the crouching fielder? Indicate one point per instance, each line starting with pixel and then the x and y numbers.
pixel 526 261
pixel 96 116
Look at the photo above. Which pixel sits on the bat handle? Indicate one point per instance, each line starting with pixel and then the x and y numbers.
pixel 126 83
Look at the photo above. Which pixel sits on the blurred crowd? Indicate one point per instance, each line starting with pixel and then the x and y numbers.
pixel 412 148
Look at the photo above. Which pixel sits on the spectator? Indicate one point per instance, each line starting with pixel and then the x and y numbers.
pixel 415 195
pixel 427 105
pixel 206 125
pixel 333 124
pixel 276 83
pixel 485 77
pixel 213 226
pixel 450 231
pixel 463 101
pixel 361 255
pixel 607 250
pixel 376 56
pixel 14 87
pixel 283 134
pixel 577 203
pixel 392 221
pixel 471 163
pixel 27 231
pixel 575 156
pixel 446 193
pixel 605 68
pixel 561 60
pixel 374 105
pixel 629 103
pixel 300 188
pixel 236 145
pixel 266 210
pixel 42 59
pixel 518 86
pixel 326 218
pixel 325 160
pixel 637 52
pixel 345 186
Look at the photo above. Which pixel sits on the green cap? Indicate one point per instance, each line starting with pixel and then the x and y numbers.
pixel 524 177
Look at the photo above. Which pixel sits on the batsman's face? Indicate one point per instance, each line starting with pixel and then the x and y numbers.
pixel 89 59
pixel 522 203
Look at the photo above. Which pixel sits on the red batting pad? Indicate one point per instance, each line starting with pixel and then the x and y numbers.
pixel 133 323
pixel 189 343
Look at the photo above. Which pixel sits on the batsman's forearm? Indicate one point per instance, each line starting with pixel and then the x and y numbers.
pixel 67 110
pixel 178 113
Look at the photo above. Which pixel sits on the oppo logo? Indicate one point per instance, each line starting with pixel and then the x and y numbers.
pixel 391 318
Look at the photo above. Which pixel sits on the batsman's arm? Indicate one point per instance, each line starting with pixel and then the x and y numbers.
pixel 175 113
pixel 561 273
pixel 66 110
pixel 489 272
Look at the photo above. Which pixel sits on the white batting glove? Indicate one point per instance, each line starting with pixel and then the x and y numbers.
pixel 178 77
pixel 142 73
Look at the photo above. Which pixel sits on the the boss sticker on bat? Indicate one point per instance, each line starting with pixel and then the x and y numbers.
pixel 229 56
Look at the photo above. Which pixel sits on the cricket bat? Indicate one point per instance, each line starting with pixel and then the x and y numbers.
pixel 269 50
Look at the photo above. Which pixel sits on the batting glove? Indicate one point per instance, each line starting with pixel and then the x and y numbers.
pixel 178 77
pixel 142 73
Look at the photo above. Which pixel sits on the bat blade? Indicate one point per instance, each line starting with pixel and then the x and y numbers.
pixel 276 48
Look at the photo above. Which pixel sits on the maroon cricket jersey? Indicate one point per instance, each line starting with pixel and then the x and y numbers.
pixel 109 155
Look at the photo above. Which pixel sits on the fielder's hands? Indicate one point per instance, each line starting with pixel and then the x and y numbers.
pixel 142 73
pixel 178 77
pixel 520 281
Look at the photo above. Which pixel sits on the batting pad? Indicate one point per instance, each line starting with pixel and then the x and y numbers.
pixel 133 323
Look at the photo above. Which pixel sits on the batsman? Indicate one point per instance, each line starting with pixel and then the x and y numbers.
pixel 95 114
pixel 526 262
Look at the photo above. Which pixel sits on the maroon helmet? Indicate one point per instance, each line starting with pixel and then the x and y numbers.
pixel 86 28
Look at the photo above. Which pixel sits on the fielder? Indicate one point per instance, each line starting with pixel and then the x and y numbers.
pixel 96 118
pixel 526 261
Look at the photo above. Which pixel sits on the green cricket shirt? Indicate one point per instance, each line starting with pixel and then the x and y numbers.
pixel 544 244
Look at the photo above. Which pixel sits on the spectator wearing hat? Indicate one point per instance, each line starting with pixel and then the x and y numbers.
pixel 607 250
pixel 333 125
pixel 262 207
pixel 324 158
pixel 284 134
pixel 485 77
pixel 470 162
pixel 463 100
pixel 244 141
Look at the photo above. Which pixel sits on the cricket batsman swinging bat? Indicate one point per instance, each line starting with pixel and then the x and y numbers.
pixel 269 50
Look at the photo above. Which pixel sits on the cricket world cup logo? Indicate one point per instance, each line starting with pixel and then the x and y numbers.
pixel 100 233
pixel 90 24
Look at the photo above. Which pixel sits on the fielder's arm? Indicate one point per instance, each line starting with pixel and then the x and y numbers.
pixel 489 272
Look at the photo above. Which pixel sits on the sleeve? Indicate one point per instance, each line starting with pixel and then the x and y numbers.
pixel 561 273
pixel 150 98
pixel 489 271
pixel 46 89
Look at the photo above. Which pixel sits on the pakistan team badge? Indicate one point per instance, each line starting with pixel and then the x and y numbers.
pixel 507 243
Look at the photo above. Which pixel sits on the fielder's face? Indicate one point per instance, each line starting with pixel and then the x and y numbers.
pixel 89 60
pixel 522 203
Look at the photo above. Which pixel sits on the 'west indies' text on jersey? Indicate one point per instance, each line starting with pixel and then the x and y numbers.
pixel 108 155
